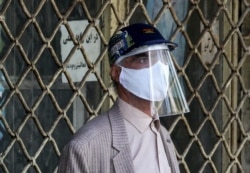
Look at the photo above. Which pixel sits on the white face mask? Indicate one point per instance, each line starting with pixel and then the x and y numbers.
pixel 147 83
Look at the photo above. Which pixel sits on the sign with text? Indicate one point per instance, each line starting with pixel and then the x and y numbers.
pixel 77 66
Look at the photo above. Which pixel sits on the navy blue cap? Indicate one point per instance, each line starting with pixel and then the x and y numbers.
pixel 134 36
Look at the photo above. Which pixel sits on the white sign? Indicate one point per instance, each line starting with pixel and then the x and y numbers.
pixel 77 66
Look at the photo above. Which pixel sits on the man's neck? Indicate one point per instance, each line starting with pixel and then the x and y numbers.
pixel 141 104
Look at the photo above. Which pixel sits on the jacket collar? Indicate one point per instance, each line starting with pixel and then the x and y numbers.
pixel 119 134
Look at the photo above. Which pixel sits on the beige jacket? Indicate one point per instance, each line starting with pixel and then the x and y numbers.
pixel 101 146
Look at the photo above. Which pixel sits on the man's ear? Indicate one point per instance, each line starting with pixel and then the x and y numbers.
pixel 115 72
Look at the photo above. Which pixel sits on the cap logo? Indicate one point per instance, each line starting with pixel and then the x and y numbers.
pixel 148 30
pixel 120 42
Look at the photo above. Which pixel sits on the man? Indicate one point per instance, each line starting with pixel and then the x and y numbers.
pixel 128 138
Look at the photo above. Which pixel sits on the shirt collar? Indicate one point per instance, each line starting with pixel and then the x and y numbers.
pixel 134 116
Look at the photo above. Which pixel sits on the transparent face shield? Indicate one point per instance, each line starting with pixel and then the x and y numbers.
pixel 149 74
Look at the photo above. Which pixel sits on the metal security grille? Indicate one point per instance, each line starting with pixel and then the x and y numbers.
pixel 54 75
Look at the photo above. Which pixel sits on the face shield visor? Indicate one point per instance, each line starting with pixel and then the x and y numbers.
pixel 148 73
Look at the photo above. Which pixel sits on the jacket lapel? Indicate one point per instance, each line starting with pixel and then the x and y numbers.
pixel 122 161
pixel 170 150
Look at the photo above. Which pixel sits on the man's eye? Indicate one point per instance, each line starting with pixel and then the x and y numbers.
pixel 143 60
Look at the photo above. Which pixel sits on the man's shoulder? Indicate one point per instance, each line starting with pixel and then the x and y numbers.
pixel 93 128
pixel 98 128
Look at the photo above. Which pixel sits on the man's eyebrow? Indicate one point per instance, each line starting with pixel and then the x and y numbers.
pixel 141 54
